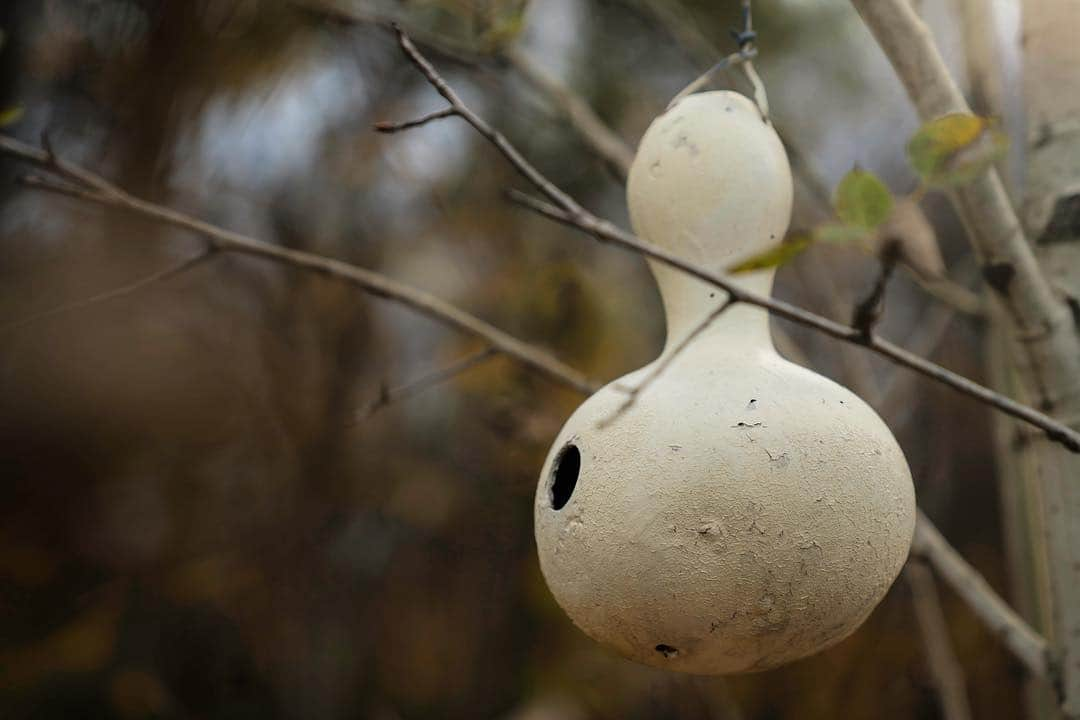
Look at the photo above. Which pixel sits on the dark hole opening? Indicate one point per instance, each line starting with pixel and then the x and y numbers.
pixel 565 475
pixel 667 651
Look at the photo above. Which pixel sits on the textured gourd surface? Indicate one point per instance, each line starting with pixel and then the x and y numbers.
pixel 744 512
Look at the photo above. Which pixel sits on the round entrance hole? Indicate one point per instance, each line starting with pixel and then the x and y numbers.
pixel 564 476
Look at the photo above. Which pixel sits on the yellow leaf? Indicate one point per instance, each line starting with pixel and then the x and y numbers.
pixel 775 256
pixel 955 149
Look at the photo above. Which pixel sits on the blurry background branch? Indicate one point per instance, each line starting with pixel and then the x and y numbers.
pixel 88 186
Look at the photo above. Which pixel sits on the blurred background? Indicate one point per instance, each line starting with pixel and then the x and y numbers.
pixel 207 513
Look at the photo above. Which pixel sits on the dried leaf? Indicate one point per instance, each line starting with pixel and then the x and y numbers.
pixel 775 256
pixel 862 200
pixel 955 149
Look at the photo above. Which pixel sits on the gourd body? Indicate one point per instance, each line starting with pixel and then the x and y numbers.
pixel 743 511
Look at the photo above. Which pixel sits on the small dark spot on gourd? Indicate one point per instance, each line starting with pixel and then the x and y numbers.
pixel 752 405
pixel 667 651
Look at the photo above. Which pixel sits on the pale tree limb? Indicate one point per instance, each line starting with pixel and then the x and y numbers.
pixel 1024 643
pixel 945 669
pixel 1044 510
pixel 85 185
pixel 1043 336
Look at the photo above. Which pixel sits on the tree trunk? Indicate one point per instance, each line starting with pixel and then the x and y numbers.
pixel 1040 484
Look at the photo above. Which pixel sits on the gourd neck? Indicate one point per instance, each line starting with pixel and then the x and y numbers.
pixel 688 301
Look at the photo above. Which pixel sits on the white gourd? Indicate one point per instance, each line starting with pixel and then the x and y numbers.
pixel 744 511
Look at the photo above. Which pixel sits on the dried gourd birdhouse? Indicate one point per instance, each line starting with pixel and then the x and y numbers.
pixel 743 511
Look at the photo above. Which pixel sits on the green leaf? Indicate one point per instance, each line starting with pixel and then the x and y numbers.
pixel 775 256
pixel 955 149
pixel 10 115
pixel 840 234
pixel 862 200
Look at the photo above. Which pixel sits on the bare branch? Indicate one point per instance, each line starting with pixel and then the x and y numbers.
pixel 868 311
pixel 151 279
pixel 93 188
pixel 388 127
pixel 1027 645
pixel 493 136
pixel 388 396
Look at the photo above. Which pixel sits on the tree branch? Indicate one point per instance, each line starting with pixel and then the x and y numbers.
pixel 392 127
pixel 869 310
pixel 83 184
pixel 1027 645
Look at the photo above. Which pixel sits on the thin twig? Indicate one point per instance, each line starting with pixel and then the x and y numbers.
pixel 385 126
pixel 493 136
pixel 608 233
pixel 1026 644
pixel 388 396
pixel 82 304
pixel 87 186
pixel 868 311
pixel 664 362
